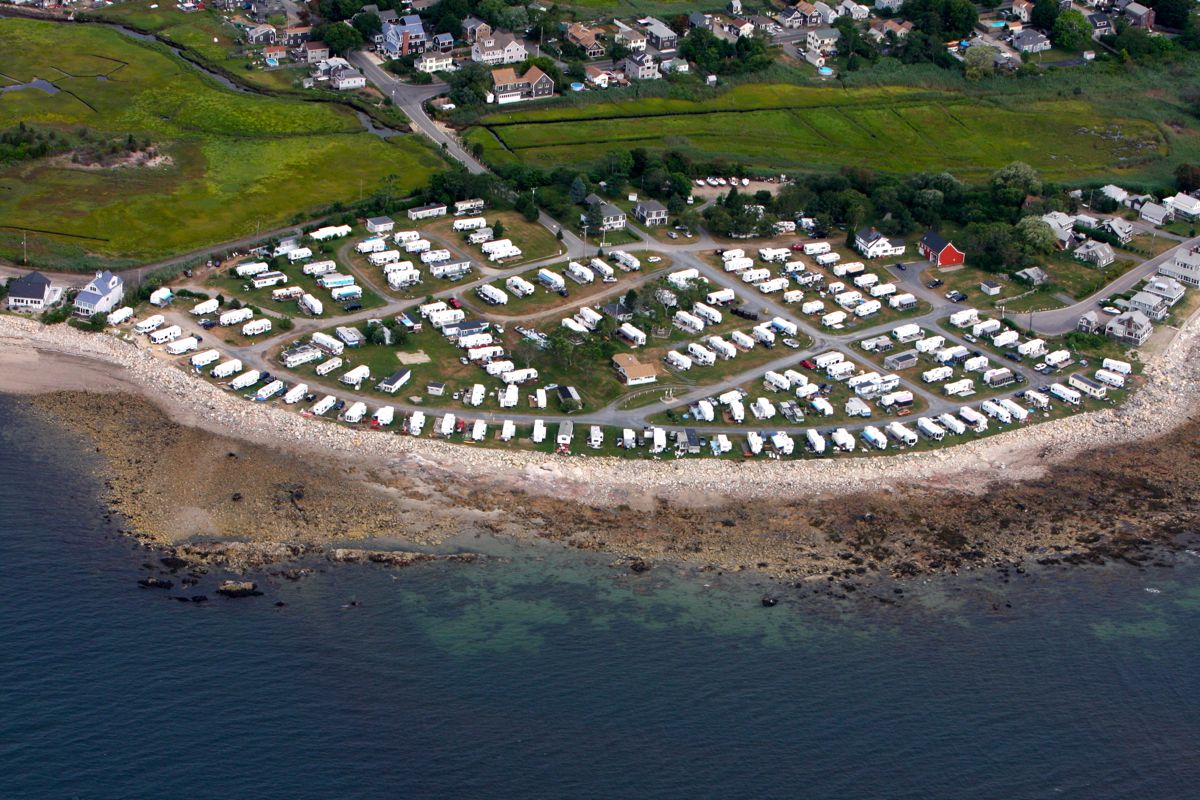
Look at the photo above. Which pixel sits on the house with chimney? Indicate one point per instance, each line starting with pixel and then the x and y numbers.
pixel 498 48
pixel 509 87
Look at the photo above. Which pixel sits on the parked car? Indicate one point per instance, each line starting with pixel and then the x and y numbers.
pixel 352 306
pixel 808 363
pixel 901 267
pixel 935 283
pixel 454 302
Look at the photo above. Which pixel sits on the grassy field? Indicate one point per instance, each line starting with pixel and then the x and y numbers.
pixel 535 241
pixel 895 129
pixel 205 33
pixel 237 162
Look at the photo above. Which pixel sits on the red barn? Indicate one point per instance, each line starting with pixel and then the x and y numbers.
pixel 940 252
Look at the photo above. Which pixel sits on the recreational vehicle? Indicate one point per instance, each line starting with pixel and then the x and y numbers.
pixel 245 380
pixel 270 390
pixel 184 345
pixel 167 334
pixel 201 360
pixel 226 368
pixel 322 406
pixel 150 324
pixel 296 394
pixel 206 307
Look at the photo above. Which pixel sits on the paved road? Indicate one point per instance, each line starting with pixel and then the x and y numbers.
pixel 684 254
pixel 1063 320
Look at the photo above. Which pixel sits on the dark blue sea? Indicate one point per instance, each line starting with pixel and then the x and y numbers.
pixel 554 675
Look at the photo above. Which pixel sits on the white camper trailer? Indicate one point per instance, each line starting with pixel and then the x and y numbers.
pixel 251 268
pixel 678 361
pixel 226 368
pixel 235 317
pixel 952 424
pixel 329 366
pixel 416 423
pixel 812 307
pixel 205 307
pixel 626 261
pixel 973 419
pixel 201 360
pixel 256 327
pixel 167 334
pixel 1119 367
pixel 479 431
pixel 996 411
pixel 296 394
pixel 150 324
pixel 519 286
pixel 874 437
pixel 930 429
pixel 270 390
pixel 356 376
pixel 902 433
pixel 355 413
pixel 322 406
pixel 447 425
pixel 318 268
pixel 312 305
pixel 1018 412
pixel 245 380
pixel 184 345
pixel 376 245
pixel 931 344
pixel 1113 379
pixel 843 440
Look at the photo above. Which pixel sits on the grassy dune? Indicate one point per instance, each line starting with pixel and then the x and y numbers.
pixel 896 129
pixel 239 162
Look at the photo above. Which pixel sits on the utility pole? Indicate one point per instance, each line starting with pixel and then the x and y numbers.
pixel 25 247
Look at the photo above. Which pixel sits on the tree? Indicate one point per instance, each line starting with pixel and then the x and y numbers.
pixel 1171 13
pixel 1035 236
pixel 369 25
pixel 980 61
pixel 1015 181
pixel 1071 31
pixel 579 189
pixel 1045 14
pixel 342 39
pixel 498 229
pixel 1187 177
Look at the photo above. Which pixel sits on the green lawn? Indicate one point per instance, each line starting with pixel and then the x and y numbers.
pixel 535 241
pixel 895 129
pixel 238 162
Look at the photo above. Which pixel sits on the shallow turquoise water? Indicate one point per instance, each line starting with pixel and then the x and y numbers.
pixel 552 675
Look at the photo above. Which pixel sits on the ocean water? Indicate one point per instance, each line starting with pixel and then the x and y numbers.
pixel 552 675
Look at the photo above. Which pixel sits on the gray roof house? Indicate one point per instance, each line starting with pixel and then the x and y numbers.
pixel 650 212
pixel 612 218
pixel 1165 287
pixel 101 295
pixel 1030 41
pixel 1152 305
pixel 1036 276
pixel 1098 253
pixel 1132 327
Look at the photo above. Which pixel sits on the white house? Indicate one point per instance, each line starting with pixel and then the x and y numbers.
pixel 873 244
pixel 1184 267
pixel 32 292
pixel 1155 214
pixel 498 48
pixel 104 293
pixel 1184 206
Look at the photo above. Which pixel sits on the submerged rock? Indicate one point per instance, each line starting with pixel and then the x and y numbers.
pixel 155 583
pixel 239 589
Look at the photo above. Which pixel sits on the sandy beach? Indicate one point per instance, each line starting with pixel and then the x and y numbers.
pixel 180 450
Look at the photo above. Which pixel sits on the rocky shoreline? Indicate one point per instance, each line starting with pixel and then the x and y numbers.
pixel 217 481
